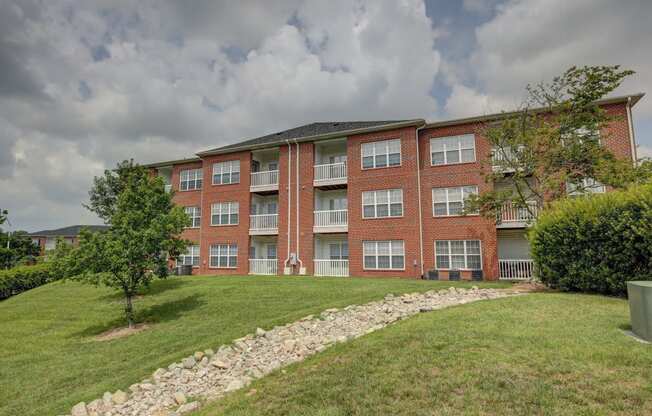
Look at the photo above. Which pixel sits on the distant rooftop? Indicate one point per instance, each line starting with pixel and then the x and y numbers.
pixel 70 231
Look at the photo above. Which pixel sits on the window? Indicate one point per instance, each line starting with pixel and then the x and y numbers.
pixel 195 216
pixel 454 149
pixel 190 257
pixel 226 172
pixel 191 179
pixel 384 255
pixel 586 186
pixel 381 154
pixel 458 254
pixel 225 213
pixel 271 251
pixel 450 201
pixel 339 250
pixel 224 255
pixel 384 203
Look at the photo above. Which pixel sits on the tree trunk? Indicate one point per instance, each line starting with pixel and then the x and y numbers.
pixel 129 309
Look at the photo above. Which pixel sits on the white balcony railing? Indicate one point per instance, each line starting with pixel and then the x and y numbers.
pixel 332 268
pixel 334 218
pixel 263 266
pixel 263 222
pixel 511 213
pixel 330 172
pixel 516 269
pixel 266 178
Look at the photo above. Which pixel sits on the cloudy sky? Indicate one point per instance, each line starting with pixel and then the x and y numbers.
pixel 84 84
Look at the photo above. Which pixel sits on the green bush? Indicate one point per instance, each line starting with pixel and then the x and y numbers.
pixel 22 278
pixel 595 244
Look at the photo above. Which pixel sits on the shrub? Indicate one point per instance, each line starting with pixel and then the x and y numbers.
pixel 22 278
pixel 595 244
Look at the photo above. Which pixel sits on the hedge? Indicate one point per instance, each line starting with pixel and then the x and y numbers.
pixel 596 243
pixel 22 278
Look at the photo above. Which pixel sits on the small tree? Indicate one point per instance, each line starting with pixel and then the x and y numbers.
pixel 17 248
pixel 553 144
pixel 3 216
pixel 144 228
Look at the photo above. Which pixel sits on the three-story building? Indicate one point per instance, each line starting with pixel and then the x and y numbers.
pixel 372 198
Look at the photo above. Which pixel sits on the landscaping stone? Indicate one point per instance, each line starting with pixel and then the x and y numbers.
pixel 253 356
pixel 119 397
pixel 188 407
pixel 79 410
pixel 180 398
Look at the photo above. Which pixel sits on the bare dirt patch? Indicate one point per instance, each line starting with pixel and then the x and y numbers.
pixel 121 332
pixel 525 287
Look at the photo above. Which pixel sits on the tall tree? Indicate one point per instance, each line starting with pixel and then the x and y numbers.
pixel 3 216
pixel 145 227
pixel 552 145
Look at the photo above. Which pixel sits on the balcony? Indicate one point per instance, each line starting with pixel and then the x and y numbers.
pixel 331 221
pixel 332 268
pixel 517 217
pixel 265 181
pixel 498 159
pixel 263 224
pixel 263 266
pixel 330 174
pixel 516 269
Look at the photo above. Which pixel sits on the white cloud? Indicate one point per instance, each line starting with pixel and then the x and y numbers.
pixel 529 41
pixel 97 82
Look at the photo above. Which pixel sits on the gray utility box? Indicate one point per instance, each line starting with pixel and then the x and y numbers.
pixel 640 308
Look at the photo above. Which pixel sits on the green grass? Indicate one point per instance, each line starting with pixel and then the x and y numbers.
pixel 540 354
pixel 49 360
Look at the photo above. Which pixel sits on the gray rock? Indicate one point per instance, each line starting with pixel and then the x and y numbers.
pixel 119 397
pixel 209 353
pixel 106 398
pixel 189 362
pixel 220 364
pixel 188 407
pixel 234 384
pixel 79 410
pixel 180 398
pixel 260 332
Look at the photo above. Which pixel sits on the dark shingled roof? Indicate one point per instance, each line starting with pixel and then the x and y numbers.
pixel 307 130
pixel 71 231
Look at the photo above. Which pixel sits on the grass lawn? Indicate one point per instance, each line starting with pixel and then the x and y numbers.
pixel 50 361
pixel 540 354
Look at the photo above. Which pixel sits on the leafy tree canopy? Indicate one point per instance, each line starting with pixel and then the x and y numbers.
pixel 145 228
pixel 553 144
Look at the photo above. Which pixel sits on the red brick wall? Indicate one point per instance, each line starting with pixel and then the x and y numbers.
pixel 187 199
pixel 405 228
pixel 226 234
pixel 458 227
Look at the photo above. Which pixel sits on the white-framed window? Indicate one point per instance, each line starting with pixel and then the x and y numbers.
pixel 223 255
pixel 195 216
pixel 381 154
pixel 226 172
pixel 453 149
pixel 382 204
pixel 450 201
pixel 458 254
pixel 191 179
pixel 338 250
pixel 587 186
pixel 225 213
pixel 190 257
pixel 384 255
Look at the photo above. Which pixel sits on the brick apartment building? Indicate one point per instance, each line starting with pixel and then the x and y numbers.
pixel 377 198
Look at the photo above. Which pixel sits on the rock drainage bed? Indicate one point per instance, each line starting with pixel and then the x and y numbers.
pixel 209 375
